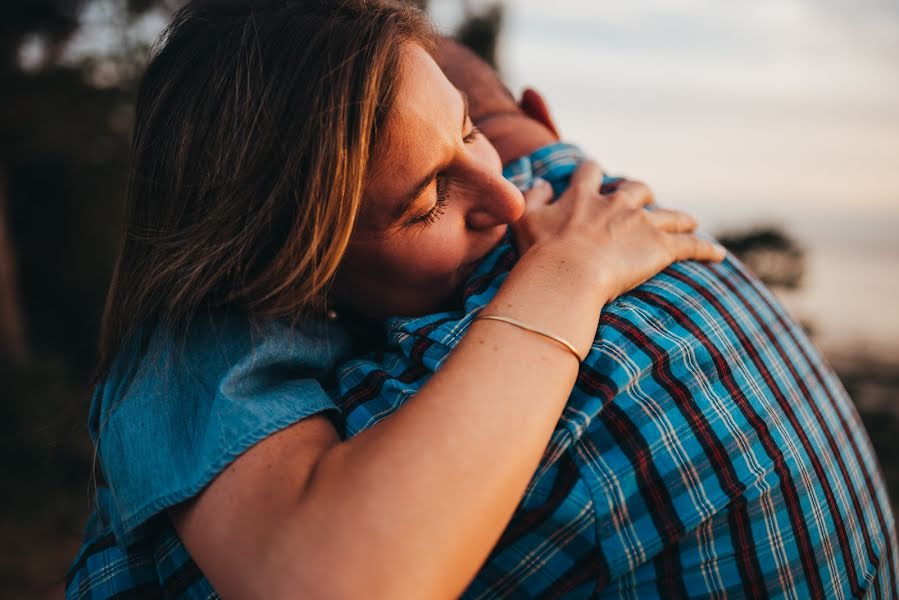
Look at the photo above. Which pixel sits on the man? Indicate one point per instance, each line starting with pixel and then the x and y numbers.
pixel 706 450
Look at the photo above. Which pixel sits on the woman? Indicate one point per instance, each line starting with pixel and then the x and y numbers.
pixel 294 156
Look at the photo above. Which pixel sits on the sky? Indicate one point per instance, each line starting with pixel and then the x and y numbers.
pixel 744 113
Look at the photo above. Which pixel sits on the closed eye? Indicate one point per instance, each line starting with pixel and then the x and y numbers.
pixel 439 206
pixel 442 192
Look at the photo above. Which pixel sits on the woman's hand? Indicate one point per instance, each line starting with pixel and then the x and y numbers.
pixel 611 240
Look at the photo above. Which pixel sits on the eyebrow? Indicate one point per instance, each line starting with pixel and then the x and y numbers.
pixel 409 198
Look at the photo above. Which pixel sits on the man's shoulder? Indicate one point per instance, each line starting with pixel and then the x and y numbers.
pixel 711 303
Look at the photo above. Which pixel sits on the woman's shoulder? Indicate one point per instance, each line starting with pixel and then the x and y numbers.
pixel 176 409
pixel 216 344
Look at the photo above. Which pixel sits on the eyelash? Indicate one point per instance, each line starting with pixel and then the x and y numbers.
pixel 432 215
pixel 473 135
pixel 439 208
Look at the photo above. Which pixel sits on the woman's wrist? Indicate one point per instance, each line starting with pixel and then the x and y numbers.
pixel 536 331
pixel 549 290
pixel 570 267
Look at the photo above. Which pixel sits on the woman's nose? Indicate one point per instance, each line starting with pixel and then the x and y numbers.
pixel 498 202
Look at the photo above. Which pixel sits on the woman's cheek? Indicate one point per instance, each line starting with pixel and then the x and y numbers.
pixel 435 253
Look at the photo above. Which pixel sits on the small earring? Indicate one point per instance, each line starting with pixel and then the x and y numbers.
pixel 332 315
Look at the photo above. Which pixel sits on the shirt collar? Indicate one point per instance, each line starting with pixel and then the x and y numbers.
pixel 555 163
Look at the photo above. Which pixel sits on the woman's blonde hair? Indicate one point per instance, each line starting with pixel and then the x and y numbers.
pixel 254 126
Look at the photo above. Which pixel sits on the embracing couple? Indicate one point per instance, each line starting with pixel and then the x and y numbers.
pixel 376 332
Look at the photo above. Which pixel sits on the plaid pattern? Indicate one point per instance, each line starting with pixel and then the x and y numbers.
pixel 158 566
pixel 706 451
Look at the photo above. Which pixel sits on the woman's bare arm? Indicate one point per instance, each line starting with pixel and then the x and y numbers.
pixel 412 507
pixel 407 509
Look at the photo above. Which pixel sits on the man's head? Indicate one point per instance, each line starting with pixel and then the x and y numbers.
pixel 515 127
pixel 468 72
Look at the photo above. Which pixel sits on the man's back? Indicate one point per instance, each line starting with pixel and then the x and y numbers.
pixel 706 450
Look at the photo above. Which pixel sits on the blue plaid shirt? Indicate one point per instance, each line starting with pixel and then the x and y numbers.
pixel 705 451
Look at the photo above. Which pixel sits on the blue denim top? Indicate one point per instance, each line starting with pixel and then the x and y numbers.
pixel 172 415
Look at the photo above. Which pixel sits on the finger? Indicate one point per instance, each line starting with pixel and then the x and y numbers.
pixel 634 194
pixel 672 221
pixel 540 194
pixel 688 246
pixel 587 177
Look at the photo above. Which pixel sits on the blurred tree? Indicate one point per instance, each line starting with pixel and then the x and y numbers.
pixel 48 21
pixel 769 252
pixel 63 159
pixel 480 31
pixel 63 147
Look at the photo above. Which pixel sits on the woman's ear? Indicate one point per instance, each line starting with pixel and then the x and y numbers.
pixel 534 105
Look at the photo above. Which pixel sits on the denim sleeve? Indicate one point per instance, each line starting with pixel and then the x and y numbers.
pixel 167 422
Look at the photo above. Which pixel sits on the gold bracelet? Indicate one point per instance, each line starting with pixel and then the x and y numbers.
pixel 568 345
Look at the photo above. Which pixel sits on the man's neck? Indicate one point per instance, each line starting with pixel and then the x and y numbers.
pixel 514 134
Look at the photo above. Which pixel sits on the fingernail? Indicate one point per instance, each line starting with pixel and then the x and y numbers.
pixel 539 182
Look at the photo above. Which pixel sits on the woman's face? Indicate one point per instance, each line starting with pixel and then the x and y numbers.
pixel 435 203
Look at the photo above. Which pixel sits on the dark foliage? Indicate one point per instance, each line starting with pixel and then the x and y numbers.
pixel 774 256
pixel 480 32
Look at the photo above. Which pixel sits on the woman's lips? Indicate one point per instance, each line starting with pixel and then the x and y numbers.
pixel 469 266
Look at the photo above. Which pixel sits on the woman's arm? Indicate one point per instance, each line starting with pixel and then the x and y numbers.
pixel 412 507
